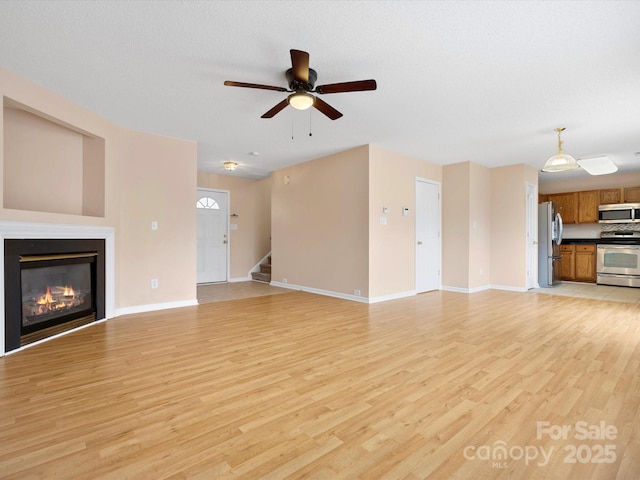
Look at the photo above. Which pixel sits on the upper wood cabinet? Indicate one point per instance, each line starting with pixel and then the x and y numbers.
pixel 631 195
pixel 588 203
pixel 610 195
pixel 582 207
pixel 620 195
pixel 567 205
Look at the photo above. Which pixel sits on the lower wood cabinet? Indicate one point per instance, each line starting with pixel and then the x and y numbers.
pixel 585 258
pixel 578 262
pixel 568 264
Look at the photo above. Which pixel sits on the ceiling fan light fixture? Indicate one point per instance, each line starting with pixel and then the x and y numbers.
pixel 230 166
pixel 560 162
pixel 301 100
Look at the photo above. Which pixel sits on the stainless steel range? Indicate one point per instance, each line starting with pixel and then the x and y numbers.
pixel 618 263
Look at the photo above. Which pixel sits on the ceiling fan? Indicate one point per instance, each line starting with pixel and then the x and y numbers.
pixel 302 81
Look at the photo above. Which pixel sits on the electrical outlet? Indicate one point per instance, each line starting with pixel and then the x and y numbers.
pixel 356 293
pixel 284 280
pixel 154 283
pixel 154 225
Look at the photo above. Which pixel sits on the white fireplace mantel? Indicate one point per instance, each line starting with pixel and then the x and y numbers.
pixel 60 231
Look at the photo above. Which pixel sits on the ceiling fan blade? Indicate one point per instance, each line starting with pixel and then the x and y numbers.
pixel 327 109
pixel 276 109
pixel 229 83
pixel 300 64
pixel 357 86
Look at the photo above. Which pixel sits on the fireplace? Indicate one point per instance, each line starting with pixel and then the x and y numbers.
pixel 51 285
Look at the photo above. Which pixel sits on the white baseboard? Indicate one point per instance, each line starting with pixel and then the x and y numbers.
pixel 508 288
pixel 392 296
pixel 154 307
pixel 240 279
pixel 345 296
pixel 284 285
pixel 483 288
pixel 319 291
pixel 447 288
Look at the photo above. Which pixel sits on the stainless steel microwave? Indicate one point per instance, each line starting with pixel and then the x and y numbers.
pixel 619 213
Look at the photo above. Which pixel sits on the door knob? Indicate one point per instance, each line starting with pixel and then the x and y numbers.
pixel 419 242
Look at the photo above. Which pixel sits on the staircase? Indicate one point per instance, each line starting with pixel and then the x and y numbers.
pixel 264 275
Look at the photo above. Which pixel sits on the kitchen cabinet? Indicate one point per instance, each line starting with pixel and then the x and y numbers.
pixel 567 205
pixel 610 195
pixel 588 203
pixel 620 195
pixel 585 263
pixel 578 262
pixel 632 195
pixel 568 264
pixel 543 198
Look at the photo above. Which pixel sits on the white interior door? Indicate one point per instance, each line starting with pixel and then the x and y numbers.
pixel 428 247
pixel 532 236
pixel 213 235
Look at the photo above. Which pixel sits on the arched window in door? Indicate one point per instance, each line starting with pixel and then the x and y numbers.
pixel 208 203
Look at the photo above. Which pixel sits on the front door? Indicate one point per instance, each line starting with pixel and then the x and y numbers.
pixel 427 236
pixel 213 241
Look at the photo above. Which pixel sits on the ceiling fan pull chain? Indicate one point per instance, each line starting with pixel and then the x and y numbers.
pixel 310 123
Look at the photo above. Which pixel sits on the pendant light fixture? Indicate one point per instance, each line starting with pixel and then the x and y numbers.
pixel 560 162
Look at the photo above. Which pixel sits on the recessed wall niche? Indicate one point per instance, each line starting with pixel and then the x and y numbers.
pixel 50 166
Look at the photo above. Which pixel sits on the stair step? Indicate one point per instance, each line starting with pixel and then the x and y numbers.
pixel 265 268
pixel 261 277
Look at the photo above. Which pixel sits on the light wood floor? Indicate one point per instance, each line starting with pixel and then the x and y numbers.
pixel 302 386
pixel 217 292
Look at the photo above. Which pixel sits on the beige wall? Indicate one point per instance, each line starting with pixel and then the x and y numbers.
pixel 392 178
pixel 15 89
pixel 319 223
pixel 455 225
pixel 251 201
pixel 508 225
pixel 479 226
pixel 591 182
pixel 43 164
pixel 153 190
pixel 466 212
pixel 145 177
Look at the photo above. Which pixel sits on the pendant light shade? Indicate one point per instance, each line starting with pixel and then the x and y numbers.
pixel 560 162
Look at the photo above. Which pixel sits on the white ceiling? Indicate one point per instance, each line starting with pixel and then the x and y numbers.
pixel 457 81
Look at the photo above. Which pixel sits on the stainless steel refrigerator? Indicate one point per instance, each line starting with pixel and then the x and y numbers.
pixel 549 240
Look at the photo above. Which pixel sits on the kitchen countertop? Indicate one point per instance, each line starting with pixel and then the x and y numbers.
pixel 609 241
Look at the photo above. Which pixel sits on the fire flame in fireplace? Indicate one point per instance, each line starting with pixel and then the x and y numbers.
pixel 63 297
